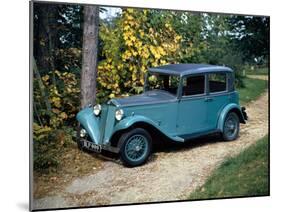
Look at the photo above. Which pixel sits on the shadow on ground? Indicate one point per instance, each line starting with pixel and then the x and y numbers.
pixel 165 146
pixel 172 146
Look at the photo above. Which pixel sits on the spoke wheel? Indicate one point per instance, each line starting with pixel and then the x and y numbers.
pixel 136 147
pixel 231 127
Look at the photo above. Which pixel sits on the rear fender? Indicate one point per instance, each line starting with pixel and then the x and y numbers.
pixel 230 107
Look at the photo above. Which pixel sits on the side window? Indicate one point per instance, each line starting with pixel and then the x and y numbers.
pixel 193 85
pixel 217 82
pixel 163 82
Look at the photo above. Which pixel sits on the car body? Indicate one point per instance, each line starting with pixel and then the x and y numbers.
pixel 179 102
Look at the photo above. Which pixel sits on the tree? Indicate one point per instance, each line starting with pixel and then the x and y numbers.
pixel 89 57
pixel 251 36
pixel 134 41
pixel 57 63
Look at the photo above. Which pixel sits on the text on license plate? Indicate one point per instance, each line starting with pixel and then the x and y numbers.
pixel 91 146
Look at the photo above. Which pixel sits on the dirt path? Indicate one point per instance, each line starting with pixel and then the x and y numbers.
pixel 262 77
pixel 169 175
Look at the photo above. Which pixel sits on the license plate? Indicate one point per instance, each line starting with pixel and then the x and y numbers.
pixel 91 146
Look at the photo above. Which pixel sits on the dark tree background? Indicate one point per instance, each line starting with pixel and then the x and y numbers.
pixel 250 35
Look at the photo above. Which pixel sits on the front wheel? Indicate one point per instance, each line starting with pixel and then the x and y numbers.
pixel 135 147
pixel 231 127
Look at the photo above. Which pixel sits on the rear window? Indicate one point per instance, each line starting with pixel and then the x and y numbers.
pixel 217 82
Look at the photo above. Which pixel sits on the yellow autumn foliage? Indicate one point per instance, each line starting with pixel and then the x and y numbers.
pixel 130 48
pixel 63 96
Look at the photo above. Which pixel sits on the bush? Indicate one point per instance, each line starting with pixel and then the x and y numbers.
pixel 234 60
pixel 48 144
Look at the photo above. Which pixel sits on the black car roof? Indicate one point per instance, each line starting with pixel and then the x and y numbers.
pixel 184 69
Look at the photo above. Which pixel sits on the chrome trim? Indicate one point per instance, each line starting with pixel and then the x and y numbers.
pixel 218 92
pixel 197 96
pixel 113 102
pixel 221 93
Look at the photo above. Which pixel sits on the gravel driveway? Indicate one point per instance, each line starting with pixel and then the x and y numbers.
pixel 171 174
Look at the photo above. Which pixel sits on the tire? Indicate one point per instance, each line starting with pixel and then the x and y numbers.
pixel 231 127
pixel 136 146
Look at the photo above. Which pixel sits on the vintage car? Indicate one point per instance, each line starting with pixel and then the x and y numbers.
pixel 179 102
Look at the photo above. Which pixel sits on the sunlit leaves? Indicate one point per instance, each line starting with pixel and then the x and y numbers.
pixel 63 92
pixel 40 132
pixel 130 47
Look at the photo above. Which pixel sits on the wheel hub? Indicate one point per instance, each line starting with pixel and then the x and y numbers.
pixel 138 148
pixel 231 127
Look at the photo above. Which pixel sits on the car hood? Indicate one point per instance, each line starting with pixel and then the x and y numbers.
pixel 149 97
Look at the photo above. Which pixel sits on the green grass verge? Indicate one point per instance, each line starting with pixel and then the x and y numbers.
pixel 253 89
pixel 259 71
pixel 243 175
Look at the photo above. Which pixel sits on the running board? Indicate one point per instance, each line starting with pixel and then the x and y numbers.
pixel 183 138
pixel 177 138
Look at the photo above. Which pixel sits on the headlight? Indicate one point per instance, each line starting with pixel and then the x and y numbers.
pixel 83 133
pixel 97 109
pixel 119 114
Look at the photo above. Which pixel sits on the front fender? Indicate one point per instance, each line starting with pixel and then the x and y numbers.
pixel 90 123
pixel 130 120
pixel 225 111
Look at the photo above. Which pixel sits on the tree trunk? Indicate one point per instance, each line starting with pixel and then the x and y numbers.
pixel 51 31
pixel 45 37
pixel 42 88
pixel 90 52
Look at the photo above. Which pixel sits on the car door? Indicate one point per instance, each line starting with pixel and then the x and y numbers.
pixel 217 96
pixel 192 106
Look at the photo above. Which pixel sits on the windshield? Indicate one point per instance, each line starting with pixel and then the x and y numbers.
pixel 164 82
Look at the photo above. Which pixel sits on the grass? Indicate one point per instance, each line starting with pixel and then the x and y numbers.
pixel 259 71
pixel 243 175
pixel 253 89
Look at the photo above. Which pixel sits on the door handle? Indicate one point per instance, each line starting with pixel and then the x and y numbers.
pixel 208 99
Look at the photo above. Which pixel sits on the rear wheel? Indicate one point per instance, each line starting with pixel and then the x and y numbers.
pixel 231 127
pixel 136 147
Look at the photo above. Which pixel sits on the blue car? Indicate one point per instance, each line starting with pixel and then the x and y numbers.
pixel 179 102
